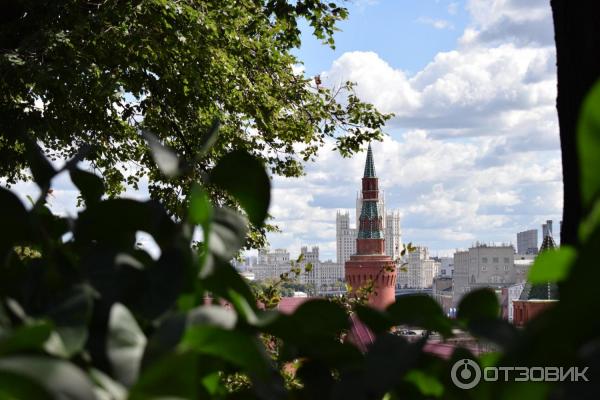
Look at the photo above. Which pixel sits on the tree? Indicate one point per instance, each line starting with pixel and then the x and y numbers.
pixel 80 73
pixel 577 35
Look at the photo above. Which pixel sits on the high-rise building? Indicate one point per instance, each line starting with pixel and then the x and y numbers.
pixel 345 237
pixel 527 242
pixel 370 264
pixel 547 229
pixel 393 235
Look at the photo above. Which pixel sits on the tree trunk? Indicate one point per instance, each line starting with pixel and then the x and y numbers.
pixel 577 37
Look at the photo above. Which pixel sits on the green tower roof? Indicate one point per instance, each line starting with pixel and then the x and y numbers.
pixel 541 291
pixel 369 164
pixel 369 220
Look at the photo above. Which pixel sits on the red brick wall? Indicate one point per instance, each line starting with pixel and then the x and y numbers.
pixel 524 310
pixel 379 269
pixel 370 246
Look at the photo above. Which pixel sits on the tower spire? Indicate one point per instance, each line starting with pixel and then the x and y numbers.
pixel 370 222
pixel 369 164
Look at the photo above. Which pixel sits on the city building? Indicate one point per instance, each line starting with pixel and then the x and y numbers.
pixel 271 264
pixel 345 237
pixel 446 266
pixel 323 277
pixel 527 242
pixel 326 277
pixel 484 266
pixel 277 256
pixel 420 270
pixel 244 264
pixel 370 264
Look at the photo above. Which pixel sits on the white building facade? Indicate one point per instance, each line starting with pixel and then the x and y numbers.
pixel 323 276
pixel 271 264
pixel 420 270
pixel 484 266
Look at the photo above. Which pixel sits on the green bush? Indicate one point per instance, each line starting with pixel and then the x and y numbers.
pixel 86 314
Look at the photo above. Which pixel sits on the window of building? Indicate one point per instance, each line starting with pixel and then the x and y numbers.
pixel 506 260
pixel 484 268
pixel 495 260
pixel 484 260
pixel 506 267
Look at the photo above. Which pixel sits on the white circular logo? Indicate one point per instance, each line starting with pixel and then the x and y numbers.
pixel 465 374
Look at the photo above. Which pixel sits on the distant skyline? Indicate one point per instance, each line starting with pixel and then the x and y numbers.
pixel 473 152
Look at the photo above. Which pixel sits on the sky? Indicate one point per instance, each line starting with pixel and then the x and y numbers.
pixel 472 153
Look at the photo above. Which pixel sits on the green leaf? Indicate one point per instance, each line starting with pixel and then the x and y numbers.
pixel 552 265
pixel 208 140
pixel 312 319
pixel 174 376
pixel 420 310
pixel 377 321
pixel 225 282
pixel 125 344
pixel 25 338
pixel 212 315
pixel 495 330
pixel 245 178
pixel 41 168
pixel 109 388
pixel 227 233
pixel 116 221
pixel 13 214
pixel 233 346
pixel 427 384
pixel 62 380
pixel 479 304
pixel 71 317
pixel 165 158
pixel 588 144
pixel 200 210
pixel 387 360
pixel 161 283
pixel 90 185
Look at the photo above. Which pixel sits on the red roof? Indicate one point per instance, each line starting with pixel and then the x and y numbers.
pixel 288 305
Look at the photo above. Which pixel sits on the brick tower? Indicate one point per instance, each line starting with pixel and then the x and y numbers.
pixel 370 262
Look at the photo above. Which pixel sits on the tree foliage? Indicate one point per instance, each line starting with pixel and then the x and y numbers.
pixel 78 73
pixel 86 314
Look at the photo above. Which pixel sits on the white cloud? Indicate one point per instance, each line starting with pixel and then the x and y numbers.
pixel 452 8
pixel 460 92
pixel 474 154
pixel 522 22
pixel 436 23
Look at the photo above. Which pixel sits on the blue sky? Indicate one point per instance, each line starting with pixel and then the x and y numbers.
pixel 400 31
pixel 472 153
